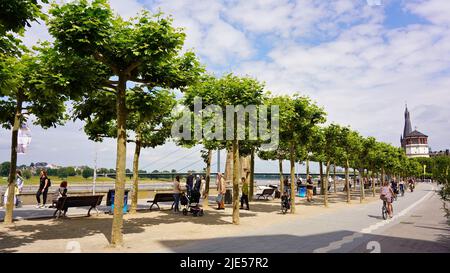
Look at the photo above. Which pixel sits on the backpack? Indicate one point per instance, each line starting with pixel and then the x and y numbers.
pixel 49 183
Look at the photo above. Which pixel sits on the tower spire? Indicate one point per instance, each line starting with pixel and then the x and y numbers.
pixel 407 128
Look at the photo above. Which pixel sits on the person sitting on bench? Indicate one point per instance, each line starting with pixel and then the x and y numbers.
pixel 60 192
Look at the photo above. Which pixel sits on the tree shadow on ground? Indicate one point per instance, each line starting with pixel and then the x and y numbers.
pixel 63 228
pixel 283 243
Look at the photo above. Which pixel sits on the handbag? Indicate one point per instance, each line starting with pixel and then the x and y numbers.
pixel 219 198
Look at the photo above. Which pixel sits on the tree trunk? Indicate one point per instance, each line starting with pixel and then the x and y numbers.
pixel 307 168
pixel 137 152
pixel 8 220
pixel 117 225
pixel 373 182
pixel 361 185
pixel 207 180
pixel 382 177
pixel 252 175
pixel 325 185
pixel 321 177
pixel 334 177
pixel 347 182
pixel 229 168
pixel 292 160
pixel 235 182
pixel 280 168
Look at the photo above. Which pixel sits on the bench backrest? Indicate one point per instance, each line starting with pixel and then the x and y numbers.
pixel 268 191
pixel 79 201
pixel 163 197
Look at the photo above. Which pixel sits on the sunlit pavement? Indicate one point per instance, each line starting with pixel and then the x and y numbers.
pixel 419 225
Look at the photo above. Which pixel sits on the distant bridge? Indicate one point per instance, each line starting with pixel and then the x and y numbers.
pixel 258 176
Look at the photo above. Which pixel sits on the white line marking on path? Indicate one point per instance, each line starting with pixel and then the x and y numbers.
pixel 348 239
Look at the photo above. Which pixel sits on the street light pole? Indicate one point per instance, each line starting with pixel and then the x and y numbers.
pixel 95 171
pixel 218 161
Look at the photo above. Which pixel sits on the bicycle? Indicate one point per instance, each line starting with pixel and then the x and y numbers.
pixel 384 210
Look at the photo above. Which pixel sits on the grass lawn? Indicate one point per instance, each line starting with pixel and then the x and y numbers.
pixel 34 180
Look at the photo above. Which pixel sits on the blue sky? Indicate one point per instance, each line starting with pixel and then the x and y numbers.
pixel 359 60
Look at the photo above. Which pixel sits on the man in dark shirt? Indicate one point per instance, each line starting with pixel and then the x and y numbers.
pixel 309 189
pixel 189 182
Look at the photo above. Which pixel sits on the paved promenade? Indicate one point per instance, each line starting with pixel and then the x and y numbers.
pixel 419 225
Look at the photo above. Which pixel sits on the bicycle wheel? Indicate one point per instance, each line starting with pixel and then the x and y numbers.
pixel 384 211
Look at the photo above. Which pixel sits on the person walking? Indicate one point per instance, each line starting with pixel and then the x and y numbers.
pixel 387 195
pixel 309 189
pixel 176 194
pixel 287 185
pixel 244 197
pixel 198 183
pixel 189 183
pixel 5 196
pixel 17 190
pixel 19 185
pixel 203 186
pixel 44 184
pixel 221 189
pixel 299 183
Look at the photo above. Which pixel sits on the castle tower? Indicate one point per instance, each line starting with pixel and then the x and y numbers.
pixel 414 142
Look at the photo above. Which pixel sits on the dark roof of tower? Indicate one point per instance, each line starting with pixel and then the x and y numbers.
pixel 407 128
pixel 416 133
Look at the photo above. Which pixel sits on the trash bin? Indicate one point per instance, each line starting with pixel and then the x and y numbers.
pixel 110 200
pixel 302 191
pixel 314 190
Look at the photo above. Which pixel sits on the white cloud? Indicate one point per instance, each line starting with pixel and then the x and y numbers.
pixel 364 76
pixel 338 52
pixel 126 9
pixel 214 39
pixel 436 11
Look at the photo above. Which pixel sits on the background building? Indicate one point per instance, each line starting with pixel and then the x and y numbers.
pixel 414 142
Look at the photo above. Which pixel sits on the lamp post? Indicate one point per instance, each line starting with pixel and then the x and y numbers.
pixel 95 171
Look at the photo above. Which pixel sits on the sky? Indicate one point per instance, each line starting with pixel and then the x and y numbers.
pixel 361 60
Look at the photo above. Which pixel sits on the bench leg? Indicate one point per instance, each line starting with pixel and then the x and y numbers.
pixel 89 212
pixel 97 211
pixel 151 206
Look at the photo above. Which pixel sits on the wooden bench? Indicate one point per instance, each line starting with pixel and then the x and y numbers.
pixel 162 197
pixel 64 203
pixel 266 193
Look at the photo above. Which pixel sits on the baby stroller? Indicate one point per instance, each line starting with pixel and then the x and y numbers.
pixel 191 203
pixel 285 202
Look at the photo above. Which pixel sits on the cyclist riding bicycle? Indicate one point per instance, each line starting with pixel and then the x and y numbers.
pixel 411 185
pixel 394 186
pixel 387 195
pixel 402 187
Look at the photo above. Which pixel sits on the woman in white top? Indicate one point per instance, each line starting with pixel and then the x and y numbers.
pixel 203 186
pixel 176 194
pixel 18 189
